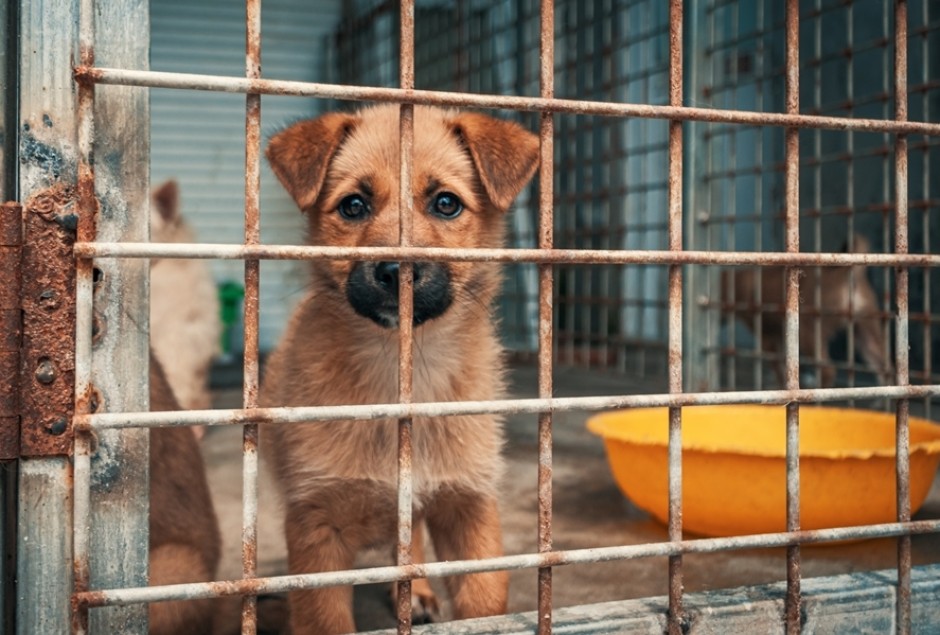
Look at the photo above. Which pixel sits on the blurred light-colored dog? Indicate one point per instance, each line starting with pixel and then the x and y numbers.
pixel 846 294
pixel 184 306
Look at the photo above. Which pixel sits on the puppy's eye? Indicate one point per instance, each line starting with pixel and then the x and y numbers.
pixel 446 205
pixel 353 207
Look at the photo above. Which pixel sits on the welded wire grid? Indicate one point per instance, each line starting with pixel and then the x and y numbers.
pixel 846 180
pixel 545 257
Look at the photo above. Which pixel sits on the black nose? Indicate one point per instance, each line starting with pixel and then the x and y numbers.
pixel 386 274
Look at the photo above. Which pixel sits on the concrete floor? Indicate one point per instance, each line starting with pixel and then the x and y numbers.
pixel 589 511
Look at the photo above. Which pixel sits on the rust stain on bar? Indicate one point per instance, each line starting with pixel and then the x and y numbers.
pixel 154 79
pixel 47 376
pixel 405 313
pixel 675 618
pixel 902 359
pixel 545 241
pixel 11 328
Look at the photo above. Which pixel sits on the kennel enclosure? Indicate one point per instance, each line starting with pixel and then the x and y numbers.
pixel 673 142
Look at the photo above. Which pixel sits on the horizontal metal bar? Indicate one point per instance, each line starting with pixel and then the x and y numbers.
pixel 283 415
pixel 282 584
pixel 559 256
pixel 155 79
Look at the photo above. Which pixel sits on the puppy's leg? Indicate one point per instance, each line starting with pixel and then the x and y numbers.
pixel 176 564
pixel 465 526
pixel 315 543
pixel 424 605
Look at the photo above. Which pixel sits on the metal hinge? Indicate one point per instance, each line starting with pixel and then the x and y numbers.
pixel 37 324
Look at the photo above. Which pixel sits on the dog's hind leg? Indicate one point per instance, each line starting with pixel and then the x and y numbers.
pixel 465 526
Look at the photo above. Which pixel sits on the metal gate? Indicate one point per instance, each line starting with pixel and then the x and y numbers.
pixel 75 420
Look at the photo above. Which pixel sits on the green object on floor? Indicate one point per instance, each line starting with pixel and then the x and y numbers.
pixel 230 300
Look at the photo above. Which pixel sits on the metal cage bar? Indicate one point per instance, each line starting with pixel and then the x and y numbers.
pixel 546 284
pixel 902 359
pixel 676 620
pixel 406 80
pixel 156 79
pixel 251 305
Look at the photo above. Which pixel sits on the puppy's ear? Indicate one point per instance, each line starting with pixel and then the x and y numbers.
pixel 166 199
pixel 506 154
pixel 300 154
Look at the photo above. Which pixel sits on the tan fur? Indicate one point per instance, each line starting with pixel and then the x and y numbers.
pixel 185 544
pixel 844 291
pixel 184 306
pixel 339 478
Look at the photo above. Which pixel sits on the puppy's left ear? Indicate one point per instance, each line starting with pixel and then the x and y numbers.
pixel 505 154
pixel 300 154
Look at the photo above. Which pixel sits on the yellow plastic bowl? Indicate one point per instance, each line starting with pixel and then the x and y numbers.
pixel 734 465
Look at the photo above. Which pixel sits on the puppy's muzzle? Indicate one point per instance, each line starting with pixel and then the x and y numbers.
pixel 372 290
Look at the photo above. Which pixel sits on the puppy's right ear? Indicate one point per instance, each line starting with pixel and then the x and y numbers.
pixel 300 154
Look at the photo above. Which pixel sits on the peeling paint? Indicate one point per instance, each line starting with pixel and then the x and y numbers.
pixel 44 156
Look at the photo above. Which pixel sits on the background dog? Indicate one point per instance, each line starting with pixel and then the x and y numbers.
pixel 341 346
pixel 184 306
pixel 846 294
pixel 185 545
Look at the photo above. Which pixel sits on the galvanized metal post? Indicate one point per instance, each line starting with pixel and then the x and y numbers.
pixel 114 205
pixel 50 131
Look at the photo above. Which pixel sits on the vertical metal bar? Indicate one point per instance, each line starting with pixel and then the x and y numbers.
pixel 83 317
pixel 901 334
pixel 405 310
pixel 252 309
pixel 675 619
pixel 792 329
pixel 545 241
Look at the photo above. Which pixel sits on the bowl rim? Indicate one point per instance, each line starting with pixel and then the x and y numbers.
pixel 599 424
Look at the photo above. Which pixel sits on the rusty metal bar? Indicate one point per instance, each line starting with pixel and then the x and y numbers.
pixel 902 359
pixel 406 71
pixel 281 584
pixel 154 79
pixel 284 415
pixel 11 329
pixel 675 618
pixel 556 256
pixel 87 205
pixel 546 284
pixel 251 315
pixel 792 319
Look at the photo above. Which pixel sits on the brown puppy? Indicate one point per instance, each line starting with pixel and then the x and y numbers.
pixel 184 532
pixel 341 346
pixel 845 292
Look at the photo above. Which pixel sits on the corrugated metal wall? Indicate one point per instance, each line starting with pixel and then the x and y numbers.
pixel 198 137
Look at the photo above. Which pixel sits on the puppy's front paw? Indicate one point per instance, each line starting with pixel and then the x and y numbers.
pixel 425 608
